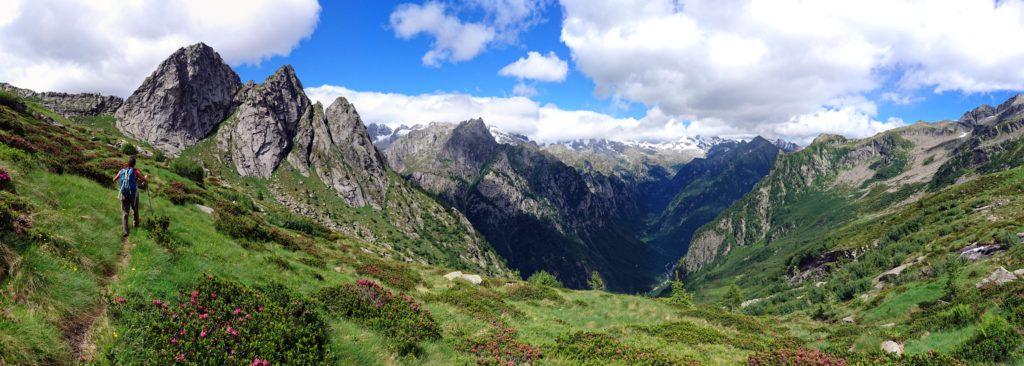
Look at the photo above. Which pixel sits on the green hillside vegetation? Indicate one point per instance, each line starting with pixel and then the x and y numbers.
pixel 253 283
pixel 827 245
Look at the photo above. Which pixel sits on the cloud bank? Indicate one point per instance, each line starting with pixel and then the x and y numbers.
pixel 750 63
pixel 549 123
pixel 457 40
pixel 111 46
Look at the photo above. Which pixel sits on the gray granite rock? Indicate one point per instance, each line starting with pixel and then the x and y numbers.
pixel 182 101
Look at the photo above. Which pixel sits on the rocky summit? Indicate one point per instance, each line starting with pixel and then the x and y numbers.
pixel 337 147
pixel 260 131
pixel 182 101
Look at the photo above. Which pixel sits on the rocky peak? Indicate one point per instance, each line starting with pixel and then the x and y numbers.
pixel 1014 105
pixel 471 144
pixel 261 131
pixel 337 146
pixel 975 116
pixel 69 105
pixel 182 101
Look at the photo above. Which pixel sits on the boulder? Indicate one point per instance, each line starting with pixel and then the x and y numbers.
pixel 750 302
pixel 892 347
pixel 182 101
pixel 205 209
pixel 975 252
pixel 848 319
pixel 998 277
pixel 458 275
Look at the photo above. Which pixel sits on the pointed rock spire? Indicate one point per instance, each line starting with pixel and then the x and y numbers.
pixel 182 101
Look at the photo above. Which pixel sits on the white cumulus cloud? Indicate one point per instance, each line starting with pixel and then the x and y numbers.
pixel 455 39
pixel 537 67
pixel 111 46
pixel 775 66
pixel 853 117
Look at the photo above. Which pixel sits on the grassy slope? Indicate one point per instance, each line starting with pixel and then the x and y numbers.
pixel 83 265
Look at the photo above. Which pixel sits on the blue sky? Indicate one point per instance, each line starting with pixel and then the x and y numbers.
pixel 354 46
pixel 637 69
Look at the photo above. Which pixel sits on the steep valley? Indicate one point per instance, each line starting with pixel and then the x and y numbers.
pixel 279 230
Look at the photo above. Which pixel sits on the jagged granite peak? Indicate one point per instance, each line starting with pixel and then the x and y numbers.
pixel 337 147
pixel 69 104
pixel 182 101
pixel 977 115
pixel 786 146
pixel 260 131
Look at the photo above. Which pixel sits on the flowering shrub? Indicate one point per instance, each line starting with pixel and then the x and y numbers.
pixel 6 184
pixel 392 273
pixel 797 357
pixel 601 348
pixel 399 317
pixel 177 193
pixel 500 347
pixel 219 323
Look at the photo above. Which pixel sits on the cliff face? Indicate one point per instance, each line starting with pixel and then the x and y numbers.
pixel 182 101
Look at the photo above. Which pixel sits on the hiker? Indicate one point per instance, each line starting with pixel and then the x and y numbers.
pixel 127 180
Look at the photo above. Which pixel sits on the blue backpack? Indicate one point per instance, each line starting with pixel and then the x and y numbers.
pixel 126 183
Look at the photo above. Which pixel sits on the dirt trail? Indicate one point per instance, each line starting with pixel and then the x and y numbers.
pixel 76 330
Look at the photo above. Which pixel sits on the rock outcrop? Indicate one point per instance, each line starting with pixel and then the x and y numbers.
pixel 181 102
pixel 67 104
pixel 337 147
pixel 259 133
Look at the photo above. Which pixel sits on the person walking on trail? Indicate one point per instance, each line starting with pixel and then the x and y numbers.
pixel 127 180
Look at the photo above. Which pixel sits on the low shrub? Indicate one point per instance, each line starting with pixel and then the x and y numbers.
pixel 128 149
pixel 958 315
pixel 394 274
pixel 188 169
pixel 399 317
pixel 13 213
pixel 6 183
pixel 237 223
pixel 594 348
pixel 543 278
pixel 219 322
pixel 500 347
pixel 298 223
pixel 529 292
pixel 160 232
pixel 685 332
pixel 994 341
pixel 177 193
pixel 794 357
pixel 476 301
